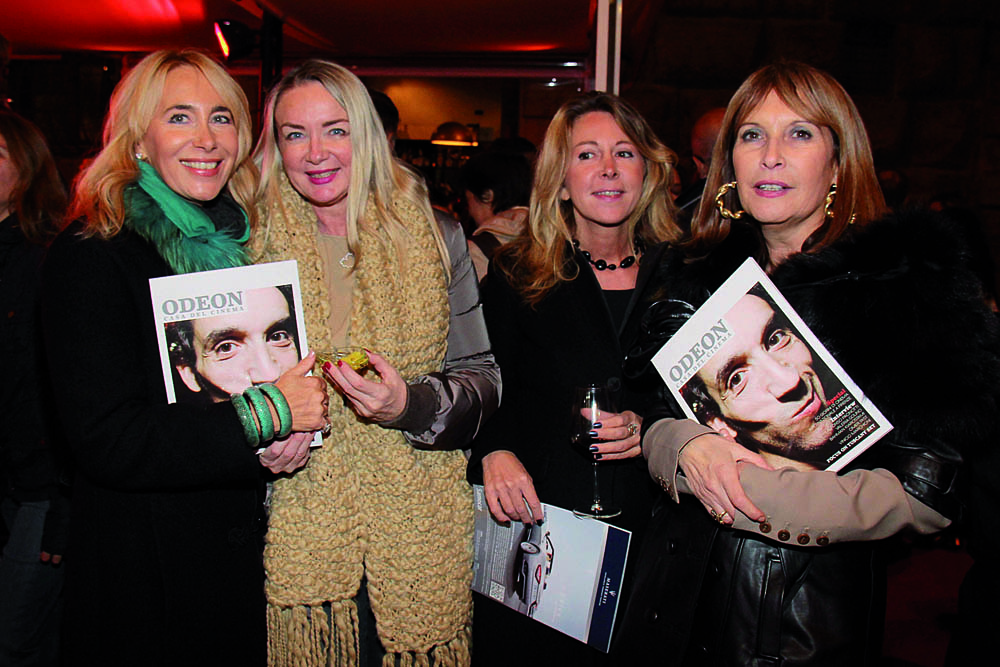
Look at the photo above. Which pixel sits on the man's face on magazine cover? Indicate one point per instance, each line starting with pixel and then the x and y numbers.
pixel 236 350
pixel 763 382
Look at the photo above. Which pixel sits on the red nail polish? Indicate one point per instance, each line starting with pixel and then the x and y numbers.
pixel 327 366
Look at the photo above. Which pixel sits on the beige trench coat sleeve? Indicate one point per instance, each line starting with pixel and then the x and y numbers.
pixel 814 508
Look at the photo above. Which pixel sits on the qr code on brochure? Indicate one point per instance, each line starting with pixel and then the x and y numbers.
pixel 497 591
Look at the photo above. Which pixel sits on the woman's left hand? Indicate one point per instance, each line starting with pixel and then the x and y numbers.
pixel 289 454
pixel 378 402
pixel 618 436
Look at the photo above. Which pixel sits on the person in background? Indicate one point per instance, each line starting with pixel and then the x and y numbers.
pixel 557 301
pixel 497 191
pixel 518 145
pixel 744 564
pixel 369 549
pixel 33 495
pixel 388 114
pixel 703 136
pixel 168 501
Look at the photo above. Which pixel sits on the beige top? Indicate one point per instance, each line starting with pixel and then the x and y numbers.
pixel 339 284
pixel 809 508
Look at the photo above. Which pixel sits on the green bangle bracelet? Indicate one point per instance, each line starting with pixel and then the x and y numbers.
pixel 263 411
pixel 244 412
pixel 281 407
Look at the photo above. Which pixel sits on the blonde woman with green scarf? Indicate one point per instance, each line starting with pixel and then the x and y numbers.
pixel 377 528
pixel 167 514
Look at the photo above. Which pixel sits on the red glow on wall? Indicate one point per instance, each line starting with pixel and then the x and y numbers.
pixel 102 24
pixel 529 47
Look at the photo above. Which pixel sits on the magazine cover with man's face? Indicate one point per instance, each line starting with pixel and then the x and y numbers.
pixel 222 331
pixel 746 365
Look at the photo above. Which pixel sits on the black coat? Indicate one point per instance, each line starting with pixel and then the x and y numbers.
pixel 165 566
pixel 569 339
pixel 27 465
pixel 895 304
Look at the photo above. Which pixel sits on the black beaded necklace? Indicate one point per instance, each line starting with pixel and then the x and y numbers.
pixel 601 264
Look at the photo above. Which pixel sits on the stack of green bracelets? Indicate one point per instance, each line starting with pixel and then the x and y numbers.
pixel 255 415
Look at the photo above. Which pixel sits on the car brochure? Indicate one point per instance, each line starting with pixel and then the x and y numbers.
pixel 747 365
pixel 221 331
pixel 565 572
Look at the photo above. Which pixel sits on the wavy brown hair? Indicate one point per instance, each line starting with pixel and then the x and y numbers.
pixel 98 192
pixel 822 101
pixel 540 258
pixel 38 197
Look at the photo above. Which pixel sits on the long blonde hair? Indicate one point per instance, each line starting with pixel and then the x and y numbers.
pixel 821 100
pixel 98 192
pixel 375 174
pixel 538 259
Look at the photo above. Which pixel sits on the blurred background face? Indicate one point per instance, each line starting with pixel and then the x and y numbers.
pixel 784 165
pixel 605 172
pixel 480 211
pixel 192 141
pixel 8 178
pixel 314 137
pixel 234 351
pixel 763 380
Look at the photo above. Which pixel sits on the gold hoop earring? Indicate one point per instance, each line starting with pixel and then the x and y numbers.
pixel 725 212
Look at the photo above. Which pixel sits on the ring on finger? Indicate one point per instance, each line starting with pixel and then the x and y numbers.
pixel 721 518
pixel 633 428
pixel 715 515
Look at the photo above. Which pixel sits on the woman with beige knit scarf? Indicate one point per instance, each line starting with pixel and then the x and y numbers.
pixel 369 548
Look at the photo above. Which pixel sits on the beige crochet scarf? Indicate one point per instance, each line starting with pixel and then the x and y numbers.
pixel 367 502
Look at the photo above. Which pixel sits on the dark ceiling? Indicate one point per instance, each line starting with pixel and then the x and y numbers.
pixel 398 30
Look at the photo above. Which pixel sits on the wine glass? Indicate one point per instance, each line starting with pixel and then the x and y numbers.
pixel 590 404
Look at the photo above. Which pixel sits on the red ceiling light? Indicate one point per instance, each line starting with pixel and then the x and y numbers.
pixel 223 44
pixel 236 40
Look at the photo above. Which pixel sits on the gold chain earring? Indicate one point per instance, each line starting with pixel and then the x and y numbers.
pixel 831 197
pixel 725 212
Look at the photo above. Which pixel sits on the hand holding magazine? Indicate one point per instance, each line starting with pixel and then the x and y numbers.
pixel 746 365
pixel 221 331
pixel 565 571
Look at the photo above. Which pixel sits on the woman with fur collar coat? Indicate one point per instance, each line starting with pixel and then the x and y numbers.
pixel 790 571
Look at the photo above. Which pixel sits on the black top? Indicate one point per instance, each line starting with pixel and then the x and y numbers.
pixel 618 301
pixel 570 339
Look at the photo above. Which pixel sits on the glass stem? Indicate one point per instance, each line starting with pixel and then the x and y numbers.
pixel 596 507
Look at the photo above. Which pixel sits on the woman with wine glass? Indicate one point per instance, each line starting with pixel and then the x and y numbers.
pixel 556 302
